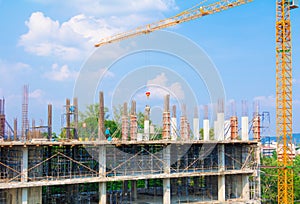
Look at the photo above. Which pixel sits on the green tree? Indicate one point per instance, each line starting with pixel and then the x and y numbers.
pixel 269 177
pixel 88 121
pixel 297 179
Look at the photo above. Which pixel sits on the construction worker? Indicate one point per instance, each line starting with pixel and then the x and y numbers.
pixel 107 134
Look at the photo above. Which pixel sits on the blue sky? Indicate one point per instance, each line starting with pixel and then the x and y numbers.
pixel 46 43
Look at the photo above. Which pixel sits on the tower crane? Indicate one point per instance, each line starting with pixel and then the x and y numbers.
pixel 283 77
pixel 284 101
pixel 197 11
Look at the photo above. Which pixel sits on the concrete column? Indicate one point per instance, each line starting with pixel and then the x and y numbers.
pixel 221 178
pixel 125 126
pixel 24 177
pixel 101 127
pixel 49 121
pixel 245 127
pixel 220 119
pixel 134 190
pixel 206 130
pixel 166 181
pixel 221 188
pixel 146 130
pixel 102 193
pixel 24 196
pixel 221 157
pixel 174 124
pixel 196 128
pixel 68 119
pixel 102 173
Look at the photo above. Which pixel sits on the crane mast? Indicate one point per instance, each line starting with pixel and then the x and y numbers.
pixel 190 14
pixel 284 101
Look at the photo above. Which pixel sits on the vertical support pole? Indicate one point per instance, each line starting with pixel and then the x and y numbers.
pixel 220 121
pixel 102 173
pixel 24 177
pixel 256 127
pixel 24 196
pixel 206 130
pixel 174 124
pixel 166 119
pixel 101 135
pixel 75 103
pixel 166 181
pixel 147 123
pixel 68 118
pixel 221 178
pixel 15 129
pixel 183 124
pixel 125 123
pixel 234 128
pixel 134 190
pixel 196 128
pixel 49 121
pixel 133 122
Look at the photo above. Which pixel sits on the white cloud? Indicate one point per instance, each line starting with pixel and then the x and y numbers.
pixel 74 39
pixel 13 71
pixel 266 101
pixel 36 94
pixel 69 40
pixel 160 86
pixel 61 73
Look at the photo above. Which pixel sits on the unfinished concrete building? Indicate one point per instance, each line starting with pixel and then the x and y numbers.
pixel 180 166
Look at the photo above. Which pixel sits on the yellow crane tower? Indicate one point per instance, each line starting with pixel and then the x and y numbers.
pixel 284 101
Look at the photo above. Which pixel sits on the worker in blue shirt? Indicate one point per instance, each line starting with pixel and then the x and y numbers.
pixel 107 134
